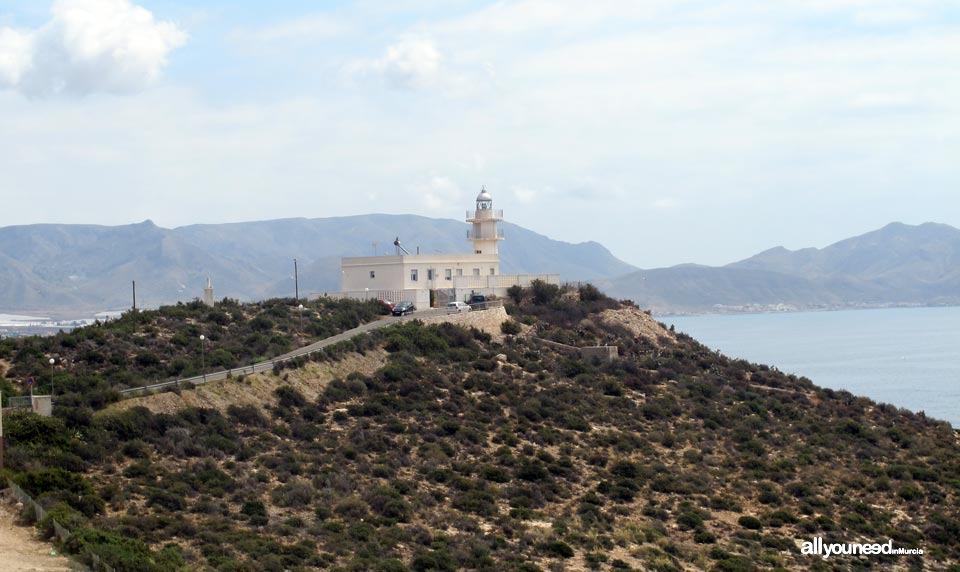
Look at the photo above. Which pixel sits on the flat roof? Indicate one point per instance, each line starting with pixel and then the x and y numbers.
pixel 418 259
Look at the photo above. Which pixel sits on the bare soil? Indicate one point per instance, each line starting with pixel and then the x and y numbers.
pixel 258 389
pixel 20 549
pixel 639 323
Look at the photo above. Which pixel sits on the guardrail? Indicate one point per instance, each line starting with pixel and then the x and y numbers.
pixel 315 347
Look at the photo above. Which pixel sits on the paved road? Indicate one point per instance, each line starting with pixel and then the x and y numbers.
pixel 305 350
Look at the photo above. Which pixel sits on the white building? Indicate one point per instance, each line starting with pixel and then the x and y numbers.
pixel 454 276
pixel 208 298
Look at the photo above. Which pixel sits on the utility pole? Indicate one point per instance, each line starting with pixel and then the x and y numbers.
pixel 296 280
pixel 134 295
pixel 1 430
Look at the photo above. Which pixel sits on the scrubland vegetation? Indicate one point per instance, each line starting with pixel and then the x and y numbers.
pixel 466 454
pixel 92 362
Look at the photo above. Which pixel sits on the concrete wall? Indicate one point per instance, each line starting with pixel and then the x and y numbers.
pixel 42 405
pixel 419 297
pixel 388 273
pixel 395 272
pixel 602 353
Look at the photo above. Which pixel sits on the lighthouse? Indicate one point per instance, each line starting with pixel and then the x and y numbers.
pixel 436 278
pixel 485 235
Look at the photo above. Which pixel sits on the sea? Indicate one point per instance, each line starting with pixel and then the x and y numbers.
pixel 908 357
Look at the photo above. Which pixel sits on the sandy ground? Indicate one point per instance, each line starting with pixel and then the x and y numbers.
pixel 20 550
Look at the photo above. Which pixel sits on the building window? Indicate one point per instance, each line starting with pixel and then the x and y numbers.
pixel 413 275
pixel 430 274
pixel 459 271
pixel 492 271
pixel 476 272
pixel 448 274
pixel 373 274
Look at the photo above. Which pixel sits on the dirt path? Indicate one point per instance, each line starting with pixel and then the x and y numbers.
pixel 20 550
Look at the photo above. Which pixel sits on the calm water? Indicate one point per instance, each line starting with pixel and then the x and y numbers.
pixel 909 357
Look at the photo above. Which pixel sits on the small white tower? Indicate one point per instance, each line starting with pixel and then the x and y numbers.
pixel 485 234
pixel 208 293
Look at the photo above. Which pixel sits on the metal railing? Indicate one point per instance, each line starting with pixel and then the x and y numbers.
pixel 503 280
pixel 480 236
pixel 488 214
pixel 20 402
pixel 489 305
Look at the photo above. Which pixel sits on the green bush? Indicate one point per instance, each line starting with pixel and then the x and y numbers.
pixel 510 327
pixel 689 521
pixel 65 515
pixel 558 549
pixel 750 522
pixel 68 487
pixel 123 554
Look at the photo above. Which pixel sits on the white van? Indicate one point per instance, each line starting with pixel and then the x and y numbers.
pixel 457 307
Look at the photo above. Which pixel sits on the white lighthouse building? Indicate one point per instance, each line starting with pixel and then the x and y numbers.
pixel 454 276
pixel 485 234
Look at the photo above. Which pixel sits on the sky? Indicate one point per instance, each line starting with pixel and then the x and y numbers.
pixel 669 131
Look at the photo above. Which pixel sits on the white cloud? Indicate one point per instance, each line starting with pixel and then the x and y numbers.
pixel 666 203
pixel 14 56
pixel 304 28
pixel 88 46
pixel 439 194
pixel 411 63
pixel 595 122
pixel 524 195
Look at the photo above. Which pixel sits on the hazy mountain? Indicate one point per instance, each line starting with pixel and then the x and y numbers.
pixel 53 268
pixel 898 264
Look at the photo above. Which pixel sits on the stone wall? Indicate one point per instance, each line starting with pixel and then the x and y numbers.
pixel 484 320
pixel 605 354
pixel 602 353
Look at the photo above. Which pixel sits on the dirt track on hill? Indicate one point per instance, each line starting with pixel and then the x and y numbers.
pixel 20 550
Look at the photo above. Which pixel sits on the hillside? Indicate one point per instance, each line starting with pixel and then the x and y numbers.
pixel 896 265
pixel 165 343
pixel 67 268
pixel 446 450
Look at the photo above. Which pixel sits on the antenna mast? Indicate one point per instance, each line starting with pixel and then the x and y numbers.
pixel 399 247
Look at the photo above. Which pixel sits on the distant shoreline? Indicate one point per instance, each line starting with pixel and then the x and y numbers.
pixel 744 312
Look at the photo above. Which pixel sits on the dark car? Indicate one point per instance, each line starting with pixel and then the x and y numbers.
pixel 478 299
pixel 403 308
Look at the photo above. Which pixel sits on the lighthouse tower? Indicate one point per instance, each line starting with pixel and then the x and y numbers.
pixel 485 234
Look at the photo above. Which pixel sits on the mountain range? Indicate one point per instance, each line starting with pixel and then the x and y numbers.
pixel 56 269
pixel 53 268
pixel 896 265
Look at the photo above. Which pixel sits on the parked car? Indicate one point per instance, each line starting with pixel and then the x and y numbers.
pixel 404 308
pixel 457 307
pixel 477 299
pixel 387 303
